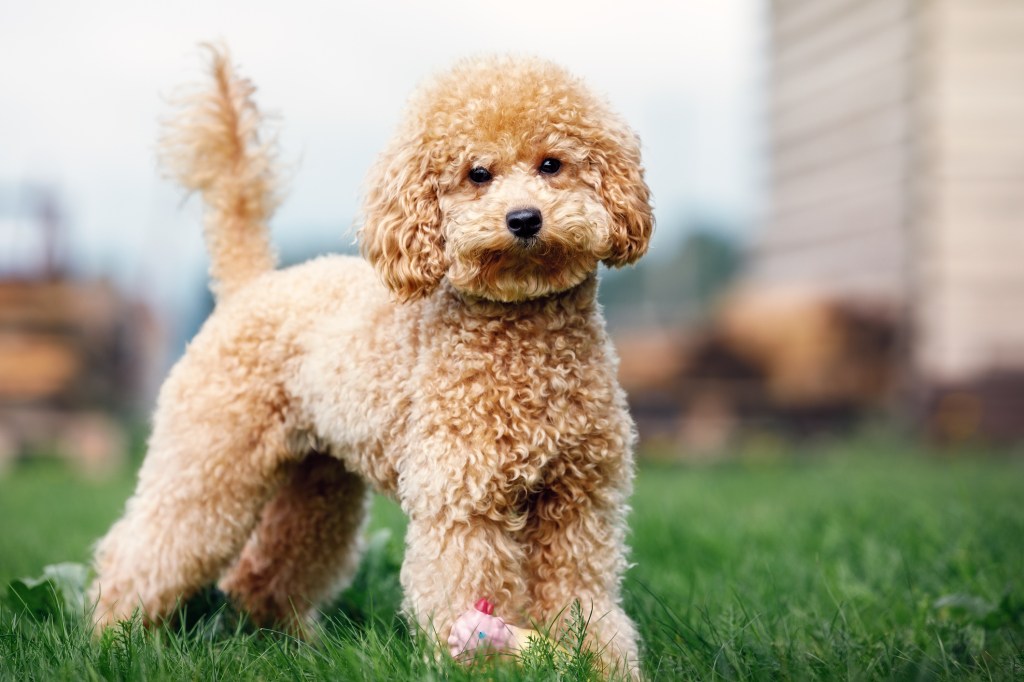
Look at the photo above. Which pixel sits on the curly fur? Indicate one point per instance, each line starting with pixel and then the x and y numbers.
pixel 214 147
pixel 476 386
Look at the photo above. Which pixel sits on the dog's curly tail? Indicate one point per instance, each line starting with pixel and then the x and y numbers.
pixel 212 145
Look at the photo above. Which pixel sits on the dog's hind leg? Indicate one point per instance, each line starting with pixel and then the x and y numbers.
pixel 306 547
pixel 216 454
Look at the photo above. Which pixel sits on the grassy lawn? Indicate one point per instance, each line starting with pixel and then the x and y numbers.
pixel 857 561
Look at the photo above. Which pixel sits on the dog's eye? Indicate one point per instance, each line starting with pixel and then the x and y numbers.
pixel 479 175
pixel 550 166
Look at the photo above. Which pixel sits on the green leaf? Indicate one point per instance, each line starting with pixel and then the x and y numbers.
pixel 1009 612
pixel 60 589
pixel 960 604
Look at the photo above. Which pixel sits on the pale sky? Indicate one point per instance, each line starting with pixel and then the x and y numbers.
pixel 83 84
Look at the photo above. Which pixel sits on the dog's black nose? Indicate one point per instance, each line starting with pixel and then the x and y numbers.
pixel 524 222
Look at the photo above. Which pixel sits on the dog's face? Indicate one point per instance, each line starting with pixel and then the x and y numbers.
pixel 509 179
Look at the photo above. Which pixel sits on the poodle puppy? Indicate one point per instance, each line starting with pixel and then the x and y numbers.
pixel 462 368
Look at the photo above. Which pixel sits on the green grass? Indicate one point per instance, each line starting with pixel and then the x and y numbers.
pixel 855 561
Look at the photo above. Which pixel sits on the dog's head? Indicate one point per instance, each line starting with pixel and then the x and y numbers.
pixel 508 178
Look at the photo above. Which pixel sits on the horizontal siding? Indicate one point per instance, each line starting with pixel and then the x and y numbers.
pixel 795 19
pixel 871 170
pixel 887 114
pixel 971 231
pixel 877 211
pixel 855 265
pixel 853 24
pixel 808 153
pixel 800 85
pixel 882 91
pixel 831 250
pixel 838 131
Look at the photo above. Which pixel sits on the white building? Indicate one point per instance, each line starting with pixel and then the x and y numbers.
pixel 896 170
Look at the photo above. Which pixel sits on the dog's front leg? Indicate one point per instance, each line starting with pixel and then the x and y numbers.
pixel 455 554
pixel 577 551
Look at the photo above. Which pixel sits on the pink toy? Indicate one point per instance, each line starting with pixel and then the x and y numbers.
pixel 478 630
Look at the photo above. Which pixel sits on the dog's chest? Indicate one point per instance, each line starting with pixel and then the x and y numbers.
pixel 516 393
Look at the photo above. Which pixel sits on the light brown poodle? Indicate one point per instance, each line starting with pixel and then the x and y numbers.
pixel 468 374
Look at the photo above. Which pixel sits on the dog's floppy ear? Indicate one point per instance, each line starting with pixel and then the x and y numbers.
pixel 625 195
pixel 401 231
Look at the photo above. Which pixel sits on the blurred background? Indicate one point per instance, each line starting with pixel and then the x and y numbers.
pixel 839 190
